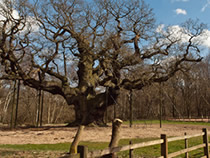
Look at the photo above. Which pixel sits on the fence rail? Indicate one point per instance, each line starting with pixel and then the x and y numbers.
pixel 106 151
pixel 185 137
pixel 84 153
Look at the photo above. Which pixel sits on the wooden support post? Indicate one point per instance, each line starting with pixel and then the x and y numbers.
pixel 205 141
pixel 164 146
pixel 186 146
pixel 13 104
pixel 131 108
pixel 115 137
pixel 38 108
pixel 83 151
pixel 42 108
pixel 115 112
pixel 161 103
pixel 130 151
pixel 106 103
pixel 17 103
pixel 73 148
pixel 115 133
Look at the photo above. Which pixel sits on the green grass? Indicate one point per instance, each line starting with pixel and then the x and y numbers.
pixel 37 147
pixel 148 122
pixel 147 152
pixel 154 151
pixel 95 145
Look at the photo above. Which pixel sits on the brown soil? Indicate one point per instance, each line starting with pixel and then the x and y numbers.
pixel 52 135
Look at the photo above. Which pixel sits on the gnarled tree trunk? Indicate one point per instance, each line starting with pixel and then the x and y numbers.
pixel 89 111
pixel 92 110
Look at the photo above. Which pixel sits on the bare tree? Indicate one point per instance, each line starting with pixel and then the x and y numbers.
pixel 6 92
pixel 107 41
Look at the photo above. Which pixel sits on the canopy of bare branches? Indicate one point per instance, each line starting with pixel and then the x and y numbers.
pixel 77 48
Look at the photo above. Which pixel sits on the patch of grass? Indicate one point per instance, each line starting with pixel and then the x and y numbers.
pixel 147 152
pixel 154 151
pixel 148 122
pixel 95 145
pixel 151 151
pixel 53 147
pixel 37 147
pixel 180 145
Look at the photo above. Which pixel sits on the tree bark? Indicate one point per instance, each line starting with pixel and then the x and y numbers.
pixel 83 109
pixel 131 107
pixel 115 133
pixel 42 107
pixel 94 108
pixel 38 108
pixel 17 103
pixel 161 102
pixel 115 137
pixel 13 104
pixel 89 110
pixel 73 148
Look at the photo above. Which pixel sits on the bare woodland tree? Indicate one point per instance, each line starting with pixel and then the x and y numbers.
pixel 107 41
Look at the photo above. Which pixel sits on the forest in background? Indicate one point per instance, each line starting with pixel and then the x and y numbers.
pixel 187 95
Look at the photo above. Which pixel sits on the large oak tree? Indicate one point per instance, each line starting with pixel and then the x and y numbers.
pixel 86 51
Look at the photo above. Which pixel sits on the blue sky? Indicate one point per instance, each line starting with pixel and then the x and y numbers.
pixel 172 12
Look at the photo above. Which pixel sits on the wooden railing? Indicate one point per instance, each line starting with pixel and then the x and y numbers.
pixel 84 153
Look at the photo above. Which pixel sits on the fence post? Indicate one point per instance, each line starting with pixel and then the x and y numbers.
pixel 83 151
pixel 186 146
pixel 130 151
pixel 164 146
pixel 205 141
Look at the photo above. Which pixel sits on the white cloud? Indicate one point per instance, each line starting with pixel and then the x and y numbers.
pixel 178 33
pixel 180 11
pixel 205 6
pixel 204 39
pixel 179 1
pixel 160 28
pixel 169 61
pixel 31 24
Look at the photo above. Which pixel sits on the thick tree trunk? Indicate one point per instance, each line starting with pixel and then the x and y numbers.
pixel 93 108
pixel 88 111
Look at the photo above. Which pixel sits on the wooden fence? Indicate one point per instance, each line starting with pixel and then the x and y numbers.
pixel 163 141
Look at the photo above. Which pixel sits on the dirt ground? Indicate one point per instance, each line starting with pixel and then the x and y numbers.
pixel 52 135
